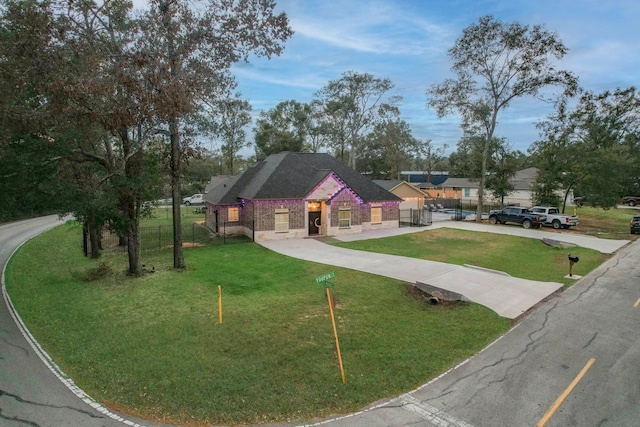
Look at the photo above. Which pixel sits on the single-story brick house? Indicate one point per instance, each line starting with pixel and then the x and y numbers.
pixel 294 195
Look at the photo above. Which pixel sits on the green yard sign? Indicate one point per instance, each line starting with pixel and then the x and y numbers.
pixel 324 279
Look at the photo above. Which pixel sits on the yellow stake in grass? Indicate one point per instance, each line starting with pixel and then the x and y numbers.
pixel 219 305
pixel 335 332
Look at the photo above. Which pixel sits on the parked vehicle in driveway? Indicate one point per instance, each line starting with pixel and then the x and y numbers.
pixel 634 225
pixel 555 219
pixel 579 201
pixel 196 199
pixel 517 215
pixel 631 200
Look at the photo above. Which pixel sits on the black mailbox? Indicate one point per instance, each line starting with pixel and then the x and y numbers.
pixel 572 260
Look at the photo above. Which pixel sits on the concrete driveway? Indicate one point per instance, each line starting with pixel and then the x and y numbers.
pixel 605 246
pixel 508 296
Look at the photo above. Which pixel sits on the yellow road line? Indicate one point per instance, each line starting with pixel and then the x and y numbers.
pixel 637 303
pixel 552 410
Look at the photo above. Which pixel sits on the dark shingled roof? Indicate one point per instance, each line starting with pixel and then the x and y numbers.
pixel 290 175
pixel 388 184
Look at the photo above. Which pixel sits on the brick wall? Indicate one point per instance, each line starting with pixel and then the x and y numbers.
pixel 265 214
pixel 346 199
pixel 390 212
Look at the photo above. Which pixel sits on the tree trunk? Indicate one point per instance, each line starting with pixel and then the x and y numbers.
pixel 178 257
pixel 133 249
pixel 94 241
pixel 175 67
pixel 130 202
pixel 483 171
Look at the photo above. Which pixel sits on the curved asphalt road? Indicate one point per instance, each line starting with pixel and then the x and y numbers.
pixel 32 391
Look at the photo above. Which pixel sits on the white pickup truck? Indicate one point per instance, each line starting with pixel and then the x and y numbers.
pixel 555 219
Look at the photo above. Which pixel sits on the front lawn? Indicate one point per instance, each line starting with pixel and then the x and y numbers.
pixel 152 346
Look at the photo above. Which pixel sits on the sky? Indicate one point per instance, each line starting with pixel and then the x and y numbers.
pixel 407 41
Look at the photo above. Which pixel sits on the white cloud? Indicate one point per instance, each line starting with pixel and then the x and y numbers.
pixel 278 78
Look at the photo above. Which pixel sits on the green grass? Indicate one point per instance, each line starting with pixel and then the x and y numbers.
pixel 152 346
pixel 608 224
pixel 162 216
pixel 521 257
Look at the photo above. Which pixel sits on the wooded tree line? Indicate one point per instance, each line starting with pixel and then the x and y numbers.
pixel 103 108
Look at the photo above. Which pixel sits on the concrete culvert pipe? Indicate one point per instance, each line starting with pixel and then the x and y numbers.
pixel 436 297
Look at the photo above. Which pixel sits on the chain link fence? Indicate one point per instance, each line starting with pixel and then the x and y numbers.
pixel 415 217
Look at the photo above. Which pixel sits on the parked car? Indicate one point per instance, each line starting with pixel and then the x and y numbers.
pixel 517 215
pixel 634 225
pixel 631 200
pixel 196 199
pixel 555 219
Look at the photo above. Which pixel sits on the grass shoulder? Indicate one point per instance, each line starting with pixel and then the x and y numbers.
pixel 606 223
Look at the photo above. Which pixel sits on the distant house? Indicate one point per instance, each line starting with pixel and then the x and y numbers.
pixel 449 189
pixel 466 189
pixel 412 197
pixel 294 195
pixel 424 177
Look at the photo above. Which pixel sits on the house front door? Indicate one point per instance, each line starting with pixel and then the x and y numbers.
pixel 314 223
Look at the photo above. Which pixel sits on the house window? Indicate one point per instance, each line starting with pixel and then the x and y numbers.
pixel 376 215
pixel 282 220
pixel 467 192
pixel 232 215
pixel 344 218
